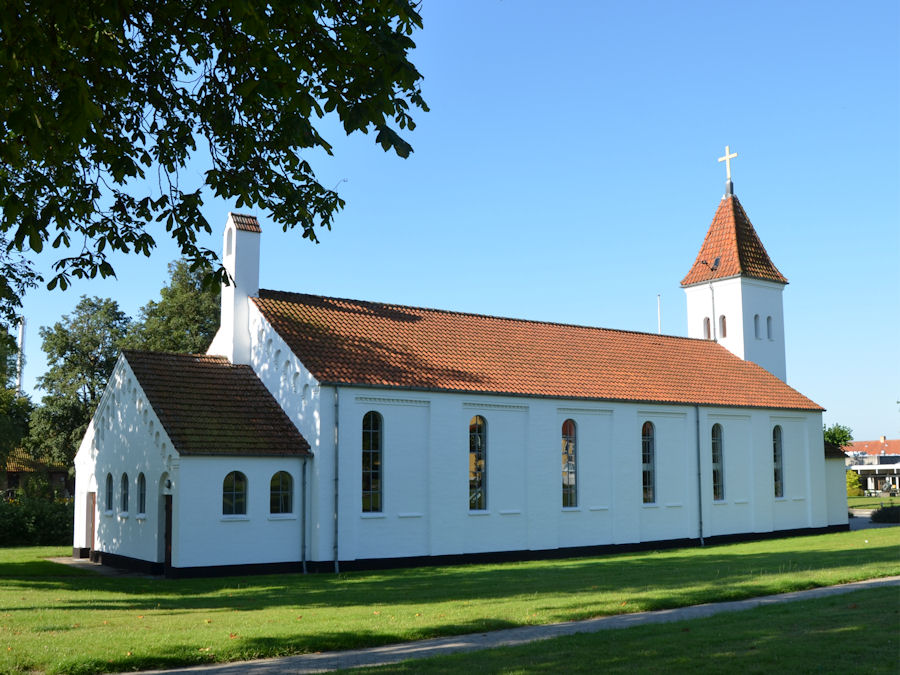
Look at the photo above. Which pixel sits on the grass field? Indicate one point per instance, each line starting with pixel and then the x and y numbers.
pixel 872 502
pixel 57 619
pixel 852 633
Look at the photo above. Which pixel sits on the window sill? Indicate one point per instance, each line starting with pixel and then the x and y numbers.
pixel 479 513
pixel 108 513
pixel 123 515
pixel 234 518
pixel 571 509
pixel 372 516
pixel 599 508
pixel 141 516
pixel 511 512
pixel 798 499
pixel 651 506
pixel 781 499
pixel 282 516
pixel 410 515
pixel 674 506
pixel 741 501
pixel 719 502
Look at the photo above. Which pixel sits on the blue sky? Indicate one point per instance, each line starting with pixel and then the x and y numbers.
pixel 567 172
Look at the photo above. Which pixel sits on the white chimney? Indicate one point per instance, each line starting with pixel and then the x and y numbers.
pixel 240 257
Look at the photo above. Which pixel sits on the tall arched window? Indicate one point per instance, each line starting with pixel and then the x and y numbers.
pixel 718 466
pixel 769 327
pixel 477 464
pixel 281 490
pixel 228 237
pixel 723 332
pixel 234 494
pixel 124 504
pixel 569 485
pixel 648 462
pixel 371 462
pixel 778 461
pixel 707 331
pixel 142 494
pixel 756 326
pixel 109 501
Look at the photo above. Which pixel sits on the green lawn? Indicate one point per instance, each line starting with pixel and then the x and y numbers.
pixel 55 619
pixel 852 633
pixel 872 502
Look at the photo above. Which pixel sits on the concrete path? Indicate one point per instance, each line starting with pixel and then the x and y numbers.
pixel 376 656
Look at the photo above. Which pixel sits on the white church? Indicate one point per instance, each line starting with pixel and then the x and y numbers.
pixel 324 433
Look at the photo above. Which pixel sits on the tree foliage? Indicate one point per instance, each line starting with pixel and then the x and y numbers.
pixel 81 352
pixel 15 411
pixel 184 319
pixel 105 103
pixel 838 434
pixel 854 485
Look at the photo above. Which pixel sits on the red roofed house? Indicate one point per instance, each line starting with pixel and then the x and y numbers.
pixel 329 432
pixel 877 463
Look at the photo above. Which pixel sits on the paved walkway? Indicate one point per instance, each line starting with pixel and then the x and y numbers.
pixel 377 656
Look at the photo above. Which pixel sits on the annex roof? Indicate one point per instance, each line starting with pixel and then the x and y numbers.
pixel 209 406
pixel 732 239
pixel 366 343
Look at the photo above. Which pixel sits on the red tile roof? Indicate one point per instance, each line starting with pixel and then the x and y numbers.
pixel 210 407
pixel 732 239
pixel 877 447
pixel 366 343
pixel 20 461
pixel 246 223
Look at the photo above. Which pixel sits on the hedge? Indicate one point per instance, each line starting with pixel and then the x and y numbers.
pixel 33 521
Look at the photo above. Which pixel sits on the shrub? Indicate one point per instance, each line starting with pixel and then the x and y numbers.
pixel 854 486
pixel 31 521
pixel 886 514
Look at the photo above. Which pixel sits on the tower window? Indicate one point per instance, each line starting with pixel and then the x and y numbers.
pixel 707 332
pixel 722 331
pixel 756 326
pixel 228 236
pixel 769 327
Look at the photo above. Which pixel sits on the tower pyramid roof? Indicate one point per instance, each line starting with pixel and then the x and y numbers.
pixel 732 239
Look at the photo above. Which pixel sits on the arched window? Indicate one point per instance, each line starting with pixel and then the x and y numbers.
pixel 569 485
pixel 769 327
pixel 477 464
pixel 124 505
pixel 281 490
pixel 109 492
pixel 756 326
pixel 778 461
pixel 234 494
pixel 722 328
pixel 228 237
pixel 371 462
pixel 707 331
pixel 718 469
pixel 648 462
pixel 142 494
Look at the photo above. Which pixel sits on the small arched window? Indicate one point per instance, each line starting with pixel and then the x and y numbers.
pixel 756 326
pixel 234 494
pixel 648 462
pixel 707 331
pixel 769 331
pixel 718 466
pixel 281 490
pixel 477 464
pixel 569 484
pixel 229 234
pixel 778 461
pixel 372 458
pixel 142 494
pixel 109 492
pixel 124 504
pixel 723 332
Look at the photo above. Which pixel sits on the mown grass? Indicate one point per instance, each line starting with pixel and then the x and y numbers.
pixel 871 502
pixel 60 620
pixel 852 633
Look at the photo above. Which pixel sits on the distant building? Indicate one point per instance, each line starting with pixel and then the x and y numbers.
pixel 20 466
pixel 877 463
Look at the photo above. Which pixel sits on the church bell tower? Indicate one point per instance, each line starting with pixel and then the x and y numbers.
pixel 734 291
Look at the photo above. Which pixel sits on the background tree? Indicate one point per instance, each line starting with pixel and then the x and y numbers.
pixel 838 434
pixel 99 96
pixel 185 318
pixel 81 351
pixel 15 411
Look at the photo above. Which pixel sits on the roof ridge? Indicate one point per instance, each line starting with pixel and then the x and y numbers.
pixel 488 316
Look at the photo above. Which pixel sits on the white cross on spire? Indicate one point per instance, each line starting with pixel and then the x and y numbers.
pixel 727 159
